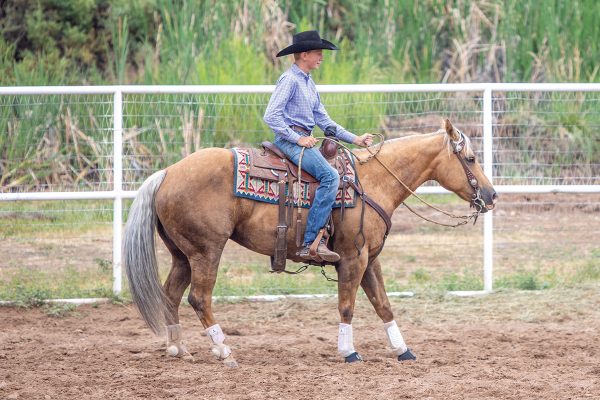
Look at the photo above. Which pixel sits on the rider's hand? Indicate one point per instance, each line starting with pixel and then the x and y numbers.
pixel 307 141
pixel 364 140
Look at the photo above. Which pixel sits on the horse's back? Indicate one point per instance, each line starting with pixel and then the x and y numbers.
pixel 198 189
pixel 203 164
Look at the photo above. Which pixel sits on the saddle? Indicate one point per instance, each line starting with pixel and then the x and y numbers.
pixel 271 164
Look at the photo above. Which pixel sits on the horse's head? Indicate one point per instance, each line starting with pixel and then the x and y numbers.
pixel 459 171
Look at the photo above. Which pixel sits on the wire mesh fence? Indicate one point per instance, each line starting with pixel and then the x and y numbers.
pixel 546 138
pixel 56 142
pixel 52 143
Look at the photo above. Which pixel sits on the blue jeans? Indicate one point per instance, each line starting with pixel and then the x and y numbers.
pixel 315 164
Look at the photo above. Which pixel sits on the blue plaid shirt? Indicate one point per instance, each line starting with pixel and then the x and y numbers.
pixel 295 101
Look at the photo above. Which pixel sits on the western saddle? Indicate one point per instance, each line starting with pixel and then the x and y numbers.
pixel 271 164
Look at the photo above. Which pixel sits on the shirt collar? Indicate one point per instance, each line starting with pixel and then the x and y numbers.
pixel 296 69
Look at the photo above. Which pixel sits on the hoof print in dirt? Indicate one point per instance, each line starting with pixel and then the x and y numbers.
pixel 230 363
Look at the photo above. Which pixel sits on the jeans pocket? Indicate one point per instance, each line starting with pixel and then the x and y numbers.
pixel 288 148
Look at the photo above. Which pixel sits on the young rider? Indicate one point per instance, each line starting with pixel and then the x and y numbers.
pixel 293 111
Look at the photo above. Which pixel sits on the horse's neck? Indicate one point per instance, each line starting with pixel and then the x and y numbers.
pixel 410 158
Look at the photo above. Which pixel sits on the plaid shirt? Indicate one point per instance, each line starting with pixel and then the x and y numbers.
pixel 295 101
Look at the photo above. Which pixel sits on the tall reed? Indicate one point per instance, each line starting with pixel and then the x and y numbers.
pixel 235 41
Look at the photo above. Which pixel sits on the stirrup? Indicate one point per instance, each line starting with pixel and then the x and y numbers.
pixel 326 256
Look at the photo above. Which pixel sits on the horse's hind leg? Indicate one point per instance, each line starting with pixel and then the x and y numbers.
pixel 175 285
pixel 204 275
pixel 372 284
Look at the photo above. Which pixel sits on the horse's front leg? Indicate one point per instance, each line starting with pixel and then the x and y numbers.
pixel 372 284
pixel 350 272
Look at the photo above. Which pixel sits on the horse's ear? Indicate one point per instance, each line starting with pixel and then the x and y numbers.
pixel 453 133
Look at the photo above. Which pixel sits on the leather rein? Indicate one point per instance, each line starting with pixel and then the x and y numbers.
pixel 457 146
pixel 476 200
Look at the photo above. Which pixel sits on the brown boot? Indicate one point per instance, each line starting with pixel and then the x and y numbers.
pixel 326 254
pixel 322 251
pixel 304 253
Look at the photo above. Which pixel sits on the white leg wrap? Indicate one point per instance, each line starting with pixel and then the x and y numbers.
pixel 220 350
pixel 395 337
pixel 345 341
pixel 215 334
pixel 175 346
pixel 173 333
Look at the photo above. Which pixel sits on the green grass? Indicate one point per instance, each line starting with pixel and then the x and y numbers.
pixel 60 310
pixel 199 42
pixel 31 287
pixel 589 271
pixel 527 280
pixel 32 218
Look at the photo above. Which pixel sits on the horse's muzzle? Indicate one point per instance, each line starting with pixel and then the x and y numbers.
pixel 484 200
pixel 490 200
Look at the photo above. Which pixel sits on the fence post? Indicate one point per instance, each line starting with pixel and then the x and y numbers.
pixel 118 188
pixel 488 235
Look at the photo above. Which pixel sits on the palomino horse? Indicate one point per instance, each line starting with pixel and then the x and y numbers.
pixel 192 206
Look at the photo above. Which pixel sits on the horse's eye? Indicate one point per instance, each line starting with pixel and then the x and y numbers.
pixel 470 159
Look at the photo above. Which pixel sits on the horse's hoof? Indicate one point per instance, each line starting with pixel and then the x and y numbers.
pixel 179 352
pixel 407 356
pixel 353 357
pixel 230 362
pixel 187 357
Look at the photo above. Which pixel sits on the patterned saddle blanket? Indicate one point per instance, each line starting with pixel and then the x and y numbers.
pixel 257 172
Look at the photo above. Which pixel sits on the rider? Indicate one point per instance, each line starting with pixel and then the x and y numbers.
pixel 293 111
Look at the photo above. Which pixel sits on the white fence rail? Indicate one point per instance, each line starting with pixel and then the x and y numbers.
pixel 118 192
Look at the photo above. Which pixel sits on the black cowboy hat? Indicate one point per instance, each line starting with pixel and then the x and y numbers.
pixel 305 41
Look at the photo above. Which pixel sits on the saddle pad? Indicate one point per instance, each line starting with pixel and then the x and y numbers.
pixel 267 191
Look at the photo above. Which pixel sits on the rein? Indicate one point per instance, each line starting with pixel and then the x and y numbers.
pixel 476 202
pixel 364 198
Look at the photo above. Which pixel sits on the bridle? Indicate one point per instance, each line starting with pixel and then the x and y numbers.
pixel 457 146
pixel 477 201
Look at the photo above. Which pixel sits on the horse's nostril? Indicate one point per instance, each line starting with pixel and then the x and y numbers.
pixel 494 197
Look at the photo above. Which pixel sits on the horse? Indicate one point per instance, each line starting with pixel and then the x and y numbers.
pixel 192 206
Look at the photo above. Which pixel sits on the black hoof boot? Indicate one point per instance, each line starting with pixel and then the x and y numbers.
pixel 406 356
pixel 353 357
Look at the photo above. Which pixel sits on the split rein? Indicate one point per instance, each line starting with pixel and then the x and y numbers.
pixel 476 201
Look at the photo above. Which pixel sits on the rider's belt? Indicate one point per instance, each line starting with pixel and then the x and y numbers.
pixel 300 129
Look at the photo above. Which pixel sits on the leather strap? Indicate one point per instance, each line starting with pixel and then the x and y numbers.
pixel 279 259
pixel 273 148
pixel 374 205
pixel 315 244
pixel 343 206
pixel 299 129
pixel 470 176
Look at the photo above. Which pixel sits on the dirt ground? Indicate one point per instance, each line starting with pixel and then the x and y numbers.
pixel 508 345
